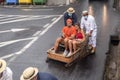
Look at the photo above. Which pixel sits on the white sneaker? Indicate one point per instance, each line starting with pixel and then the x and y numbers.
pixel 93 51
pixel 52 51
pixel 70 53
pixel 65 53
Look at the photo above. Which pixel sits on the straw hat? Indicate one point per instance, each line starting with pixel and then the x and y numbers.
pixel 29 73
pixel 84 12
pixel 71 10
pixel 2 65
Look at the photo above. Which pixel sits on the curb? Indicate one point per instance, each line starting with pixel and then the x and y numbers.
pixel 29 6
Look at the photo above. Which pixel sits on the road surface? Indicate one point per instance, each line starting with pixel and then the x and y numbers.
pixel 26 35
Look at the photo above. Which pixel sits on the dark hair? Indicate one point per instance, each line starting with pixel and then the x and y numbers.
pixel 78 24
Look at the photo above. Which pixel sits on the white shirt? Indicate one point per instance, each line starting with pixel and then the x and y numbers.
pixel 89 24
pixel 7 74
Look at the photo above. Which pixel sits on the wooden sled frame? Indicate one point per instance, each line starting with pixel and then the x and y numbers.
pixel 78 54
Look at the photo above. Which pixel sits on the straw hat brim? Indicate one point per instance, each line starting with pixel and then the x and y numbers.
pixel 73 11
pixel 3 66
pixel 84 12
pixel 36 72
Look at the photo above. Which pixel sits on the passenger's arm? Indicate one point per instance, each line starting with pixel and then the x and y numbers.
pixel 72 37
pixel 63 33
pixel 83 36
pixel 73 34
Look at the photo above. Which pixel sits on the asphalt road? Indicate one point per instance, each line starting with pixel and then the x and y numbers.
pixel 26 35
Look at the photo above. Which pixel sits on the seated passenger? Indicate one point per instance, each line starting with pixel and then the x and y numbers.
pixel 68 33
pixel 80 37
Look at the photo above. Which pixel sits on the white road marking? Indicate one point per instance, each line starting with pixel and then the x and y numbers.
pixel 25 19
pixel 8 42
pixel 53 19
pixel 43 32
pixel 60 5
pixel 37 9
pixel 17 30
pixel 12 18
pixel 14 41
pixel 1 17
pixel 46 25
pixel 21 51
pixel 37 33
pixel 27 46
pixel 31 42
pixel 5 31
pixel 10 55
pixel 26 15
pixel 26 9
pixel 36 38
pixel 14 30
pixel 9 16
pixel 7 56
pixel 13 58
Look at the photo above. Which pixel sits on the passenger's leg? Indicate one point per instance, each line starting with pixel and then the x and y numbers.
pixel 66 43
pixel 66 47
pixel 70 45
pixel 70 48
pixel 57 44
pixel 75 45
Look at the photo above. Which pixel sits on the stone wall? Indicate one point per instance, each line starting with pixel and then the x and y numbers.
pixel 112 67
pixel 116 4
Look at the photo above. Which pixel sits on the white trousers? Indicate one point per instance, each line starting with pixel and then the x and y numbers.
pixel 92 39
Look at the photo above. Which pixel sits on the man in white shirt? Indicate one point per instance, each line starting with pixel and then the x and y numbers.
pixel 88 23
pixel 5 72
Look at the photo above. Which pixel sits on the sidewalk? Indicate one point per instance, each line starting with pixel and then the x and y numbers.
pixel 112 69
pixel 29 6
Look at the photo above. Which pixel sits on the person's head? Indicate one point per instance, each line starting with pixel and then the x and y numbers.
pixel 77 25
pixel 29 74
pixel 70 11
pixel 69 22
pixel 2 66
pixel 85 14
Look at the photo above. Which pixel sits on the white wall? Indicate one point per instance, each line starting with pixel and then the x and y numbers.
pixel 56 2
pixel 59 2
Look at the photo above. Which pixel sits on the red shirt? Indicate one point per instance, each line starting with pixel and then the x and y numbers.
pixel 69 31
pixel 79 35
